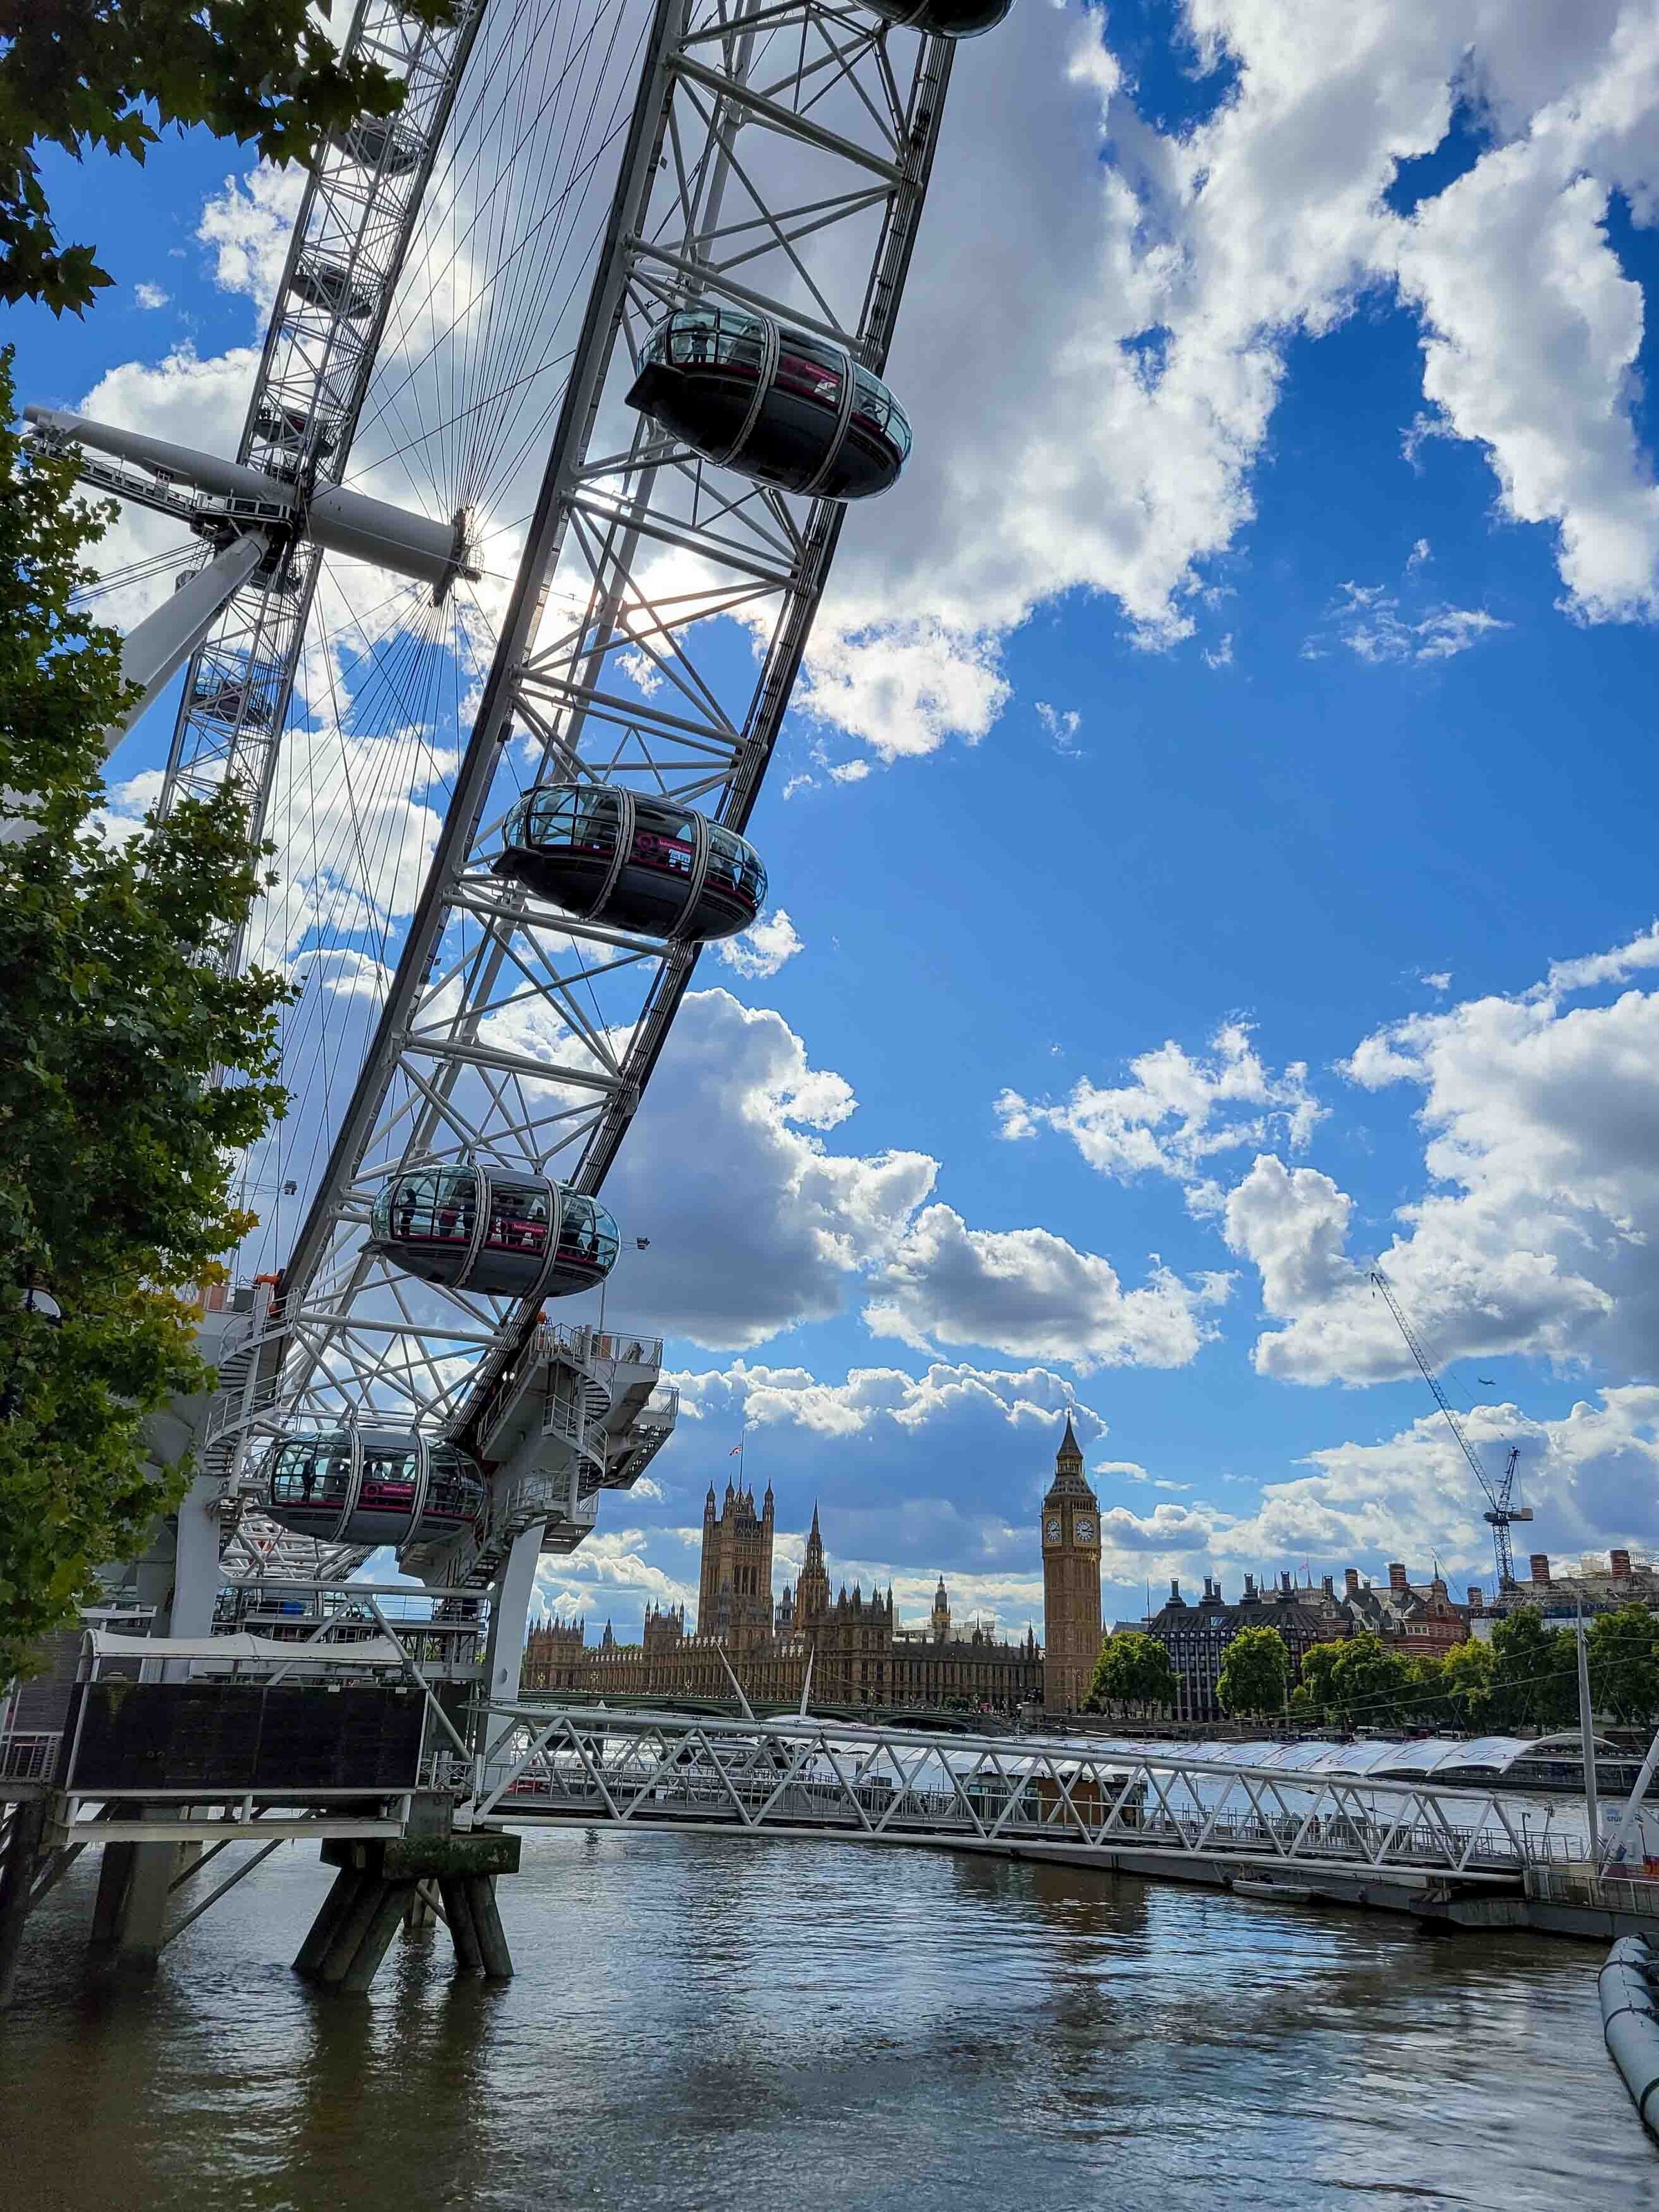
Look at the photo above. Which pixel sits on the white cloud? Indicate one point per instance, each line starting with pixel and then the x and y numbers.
pixel 149 295
pixel 1028 1292
pixel 1062 729
pixel 756 1225
pixel 248 224
pixel 1177 1112
pixel 1591 1477
pixel 1541 1123
pixel 763 948
pixel 1100 431
pixel 882 1398
pixel 122 815
pixel 1369 622
pixel 902 687
pixel 198 403
pixel 1592 969
pixel 610 1565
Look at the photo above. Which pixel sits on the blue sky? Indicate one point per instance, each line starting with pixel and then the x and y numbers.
pixel 1179 879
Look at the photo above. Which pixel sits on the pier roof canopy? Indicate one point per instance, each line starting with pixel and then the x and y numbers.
pixel 1448 1759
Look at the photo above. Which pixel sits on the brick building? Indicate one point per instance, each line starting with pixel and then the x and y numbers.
pixel 1414 1617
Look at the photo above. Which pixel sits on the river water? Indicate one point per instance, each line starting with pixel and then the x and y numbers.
pixel 707 2023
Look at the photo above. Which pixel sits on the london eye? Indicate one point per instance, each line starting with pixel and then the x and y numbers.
pixel 572 372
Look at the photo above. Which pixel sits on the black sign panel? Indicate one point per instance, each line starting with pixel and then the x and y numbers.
pixel 243 1736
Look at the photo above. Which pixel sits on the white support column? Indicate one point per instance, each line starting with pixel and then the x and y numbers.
pixel 509 1615
pixel 167 637
pixel 195 1569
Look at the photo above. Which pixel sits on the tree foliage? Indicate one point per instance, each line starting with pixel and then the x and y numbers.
pixel 131 1068
pixel 1358 1683
pixel 113 75
pixel 1255 1673
pixel 1526 1677
pixel 1134 1669
pixel 1623 1664
pixel 1535 1673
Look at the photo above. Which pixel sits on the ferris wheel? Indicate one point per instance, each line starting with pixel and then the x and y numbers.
pixel 572 369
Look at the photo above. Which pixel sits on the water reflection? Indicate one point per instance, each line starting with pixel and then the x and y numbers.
pixel 701 2021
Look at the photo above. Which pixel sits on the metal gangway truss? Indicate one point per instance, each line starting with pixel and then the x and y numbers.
pixel 1110 1804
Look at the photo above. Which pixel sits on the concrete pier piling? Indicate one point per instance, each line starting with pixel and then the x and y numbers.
pixel 24 1832
pixel 378 1888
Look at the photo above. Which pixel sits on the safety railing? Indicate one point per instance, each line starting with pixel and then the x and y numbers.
pixel 623 1767
pixel 30 1754
pixel 1581 1886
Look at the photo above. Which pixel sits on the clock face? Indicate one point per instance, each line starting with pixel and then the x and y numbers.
pixel 1084 1525
pixel 1051 1529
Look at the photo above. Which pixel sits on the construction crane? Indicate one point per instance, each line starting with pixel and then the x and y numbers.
pixel 1501 1510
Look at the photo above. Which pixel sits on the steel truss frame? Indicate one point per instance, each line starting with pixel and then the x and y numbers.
pixel 357 216
pixel 781 1776
pixel 777 157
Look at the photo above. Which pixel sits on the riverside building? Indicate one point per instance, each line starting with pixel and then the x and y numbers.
pixel 1417 1619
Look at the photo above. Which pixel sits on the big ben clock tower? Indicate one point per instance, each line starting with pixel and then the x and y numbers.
pixel 1071 1581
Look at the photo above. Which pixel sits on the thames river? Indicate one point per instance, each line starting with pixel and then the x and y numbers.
pixel 707 2023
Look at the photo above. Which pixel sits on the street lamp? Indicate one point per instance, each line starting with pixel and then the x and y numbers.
pixel 37 1299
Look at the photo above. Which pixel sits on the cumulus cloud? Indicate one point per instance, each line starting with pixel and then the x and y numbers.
pixel 1177 1112
pixel 876 1398
pixel 763 948
pixel 195 402
pixel 757 1225
pixel 1540 1123
pixel 1102 430
pixel 610 1571
pixel 248 224
pixel 1028 1291
pixel 121 817
pixel 149 295
pixel 1592 1477
pixel 902 687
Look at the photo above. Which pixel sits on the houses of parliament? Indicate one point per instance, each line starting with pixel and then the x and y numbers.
pixel 857 1652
